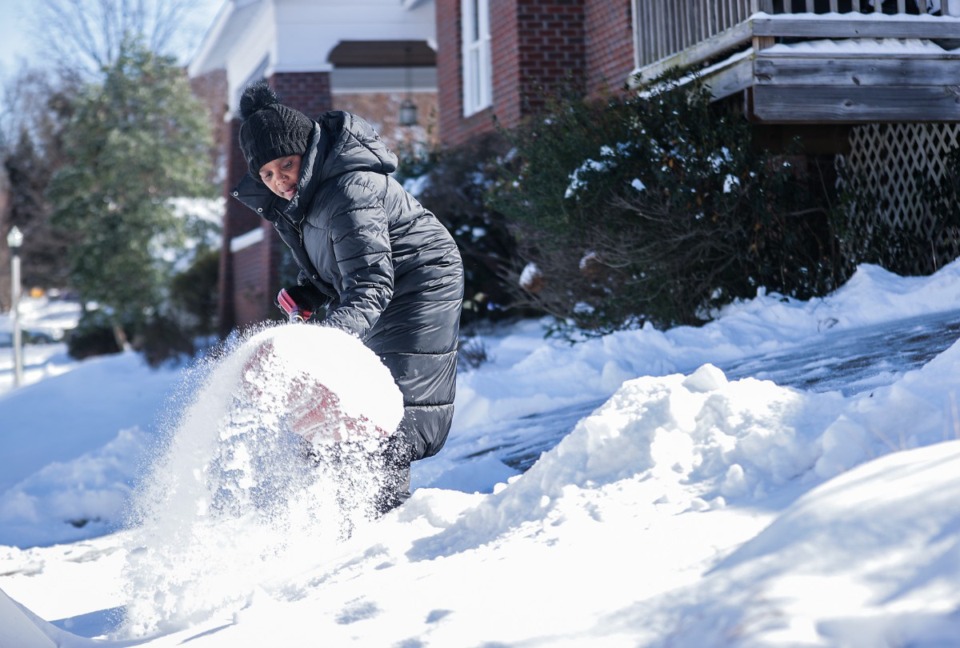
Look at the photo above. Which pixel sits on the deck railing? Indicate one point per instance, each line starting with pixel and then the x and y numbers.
pixel 664 28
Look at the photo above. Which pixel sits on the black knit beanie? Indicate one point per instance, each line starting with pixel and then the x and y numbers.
pixel 270 130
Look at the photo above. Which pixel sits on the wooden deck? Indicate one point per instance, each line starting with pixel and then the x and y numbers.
pixel 793 68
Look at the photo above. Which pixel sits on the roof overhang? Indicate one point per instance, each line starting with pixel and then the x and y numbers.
pixel 383 53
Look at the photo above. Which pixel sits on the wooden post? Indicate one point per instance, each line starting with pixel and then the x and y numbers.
pixel 763 42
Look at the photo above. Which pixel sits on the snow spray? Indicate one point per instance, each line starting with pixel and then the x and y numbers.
pixel 234 499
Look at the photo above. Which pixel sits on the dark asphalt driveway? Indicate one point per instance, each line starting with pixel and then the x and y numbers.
pixel 849 361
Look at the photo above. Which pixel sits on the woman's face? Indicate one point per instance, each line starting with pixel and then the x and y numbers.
pixel 281 175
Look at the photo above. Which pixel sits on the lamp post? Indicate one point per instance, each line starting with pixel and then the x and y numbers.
pixel 14 241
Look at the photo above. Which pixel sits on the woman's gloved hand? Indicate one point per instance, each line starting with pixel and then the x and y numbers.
pixel 300 302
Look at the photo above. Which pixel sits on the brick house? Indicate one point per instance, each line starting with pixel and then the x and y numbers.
pixel 500 58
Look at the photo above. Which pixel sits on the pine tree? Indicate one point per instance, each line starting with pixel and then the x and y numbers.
pixel 136 140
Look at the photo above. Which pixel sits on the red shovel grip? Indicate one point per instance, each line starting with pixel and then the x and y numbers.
pixel 293 310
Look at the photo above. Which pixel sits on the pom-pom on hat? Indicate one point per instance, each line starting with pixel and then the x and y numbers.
pixel 270 130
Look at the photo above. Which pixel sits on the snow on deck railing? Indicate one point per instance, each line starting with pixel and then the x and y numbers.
pixel 906 7
pixel 663 28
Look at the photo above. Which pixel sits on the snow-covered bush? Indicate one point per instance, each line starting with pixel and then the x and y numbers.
pixel 660 207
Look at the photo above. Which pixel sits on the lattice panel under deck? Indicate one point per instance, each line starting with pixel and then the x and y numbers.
pixel 887 159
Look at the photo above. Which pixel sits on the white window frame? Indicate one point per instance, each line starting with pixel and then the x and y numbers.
pixel 477 68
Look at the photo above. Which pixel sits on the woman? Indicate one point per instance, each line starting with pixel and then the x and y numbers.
pixel 384 267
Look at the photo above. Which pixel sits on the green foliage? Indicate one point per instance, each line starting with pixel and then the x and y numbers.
pixel 135 141
pixel 159 338
pixel 193 294
pixel 659 208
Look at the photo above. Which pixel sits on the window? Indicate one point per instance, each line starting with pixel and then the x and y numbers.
pixel 477 74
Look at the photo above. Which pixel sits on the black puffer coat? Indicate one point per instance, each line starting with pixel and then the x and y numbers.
pixel 391 269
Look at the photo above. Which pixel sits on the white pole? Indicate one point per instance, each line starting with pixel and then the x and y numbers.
pixel 15 298
pixel 14 241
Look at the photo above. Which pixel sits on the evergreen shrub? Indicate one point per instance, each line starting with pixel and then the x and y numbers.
pixel 93 335
pixel 163 340
pixel 455 187
pixel 659 207
pixel 193 294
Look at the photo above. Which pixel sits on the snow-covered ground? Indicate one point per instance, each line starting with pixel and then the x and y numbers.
pixel 675 505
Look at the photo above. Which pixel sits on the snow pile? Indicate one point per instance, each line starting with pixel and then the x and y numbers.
pixel 234 497
pixel 701 442
pixel 23 629
pixel 75 499
pixel 920 409
pixel 678 506
pixel 73 444
pixel 871 558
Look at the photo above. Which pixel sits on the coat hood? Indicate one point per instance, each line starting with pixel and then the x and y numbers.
pixel 353 145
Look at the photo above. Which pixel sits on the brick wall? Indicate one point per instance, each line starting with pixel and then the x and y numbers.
pixel 308 92
pixel 449 77
pixel 382 110
pixel 538 47
pixel 237 220
pixel 551 39
pixel 250 291
pixel 609 44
